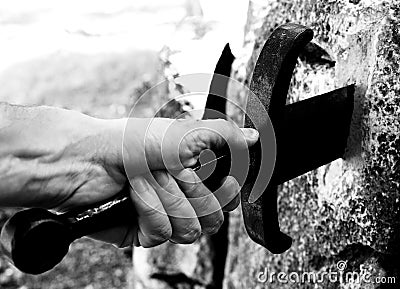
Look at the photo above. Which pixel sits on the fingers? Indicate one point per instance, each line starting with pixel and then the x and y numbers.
pixel 186 227
pixel 178 208
pixel 228 194
pixel 203 201
pixel 184 222
pixel 154 227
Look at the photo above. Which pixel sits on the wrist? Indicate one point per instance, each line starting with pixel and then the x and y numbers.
pixel 49 153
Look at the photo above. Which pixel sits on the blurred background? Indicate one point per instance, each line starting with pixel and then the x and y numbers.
pixel 99 57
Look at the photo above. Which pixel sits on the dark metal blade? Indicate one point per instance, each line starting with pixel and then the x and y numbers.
pixel 314 132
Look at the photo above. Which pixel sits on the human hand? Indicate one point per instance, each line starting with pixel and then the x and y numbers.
pixel 176 205
pixel 74 160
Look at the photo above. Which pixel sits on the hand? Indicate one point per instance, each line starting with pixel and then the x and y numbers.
pixel 61 159
pixel 176 207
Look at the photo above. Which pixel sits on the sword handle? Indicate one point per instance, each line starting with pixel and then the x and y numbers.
pixel 35 240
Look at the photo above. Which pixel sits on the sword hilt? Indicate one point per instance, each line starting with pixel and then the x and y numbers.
pixel 35 240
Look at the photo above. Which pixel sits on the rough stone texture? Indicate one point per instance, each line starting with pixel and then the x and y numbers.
pixel 347 210
pixel 173 266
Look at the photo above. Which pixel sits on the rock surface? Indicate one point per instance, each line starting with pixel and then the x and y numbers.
pixel 347 210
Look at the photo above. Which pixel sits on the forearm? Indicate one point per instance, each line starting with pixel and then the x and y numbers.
pixel 45 154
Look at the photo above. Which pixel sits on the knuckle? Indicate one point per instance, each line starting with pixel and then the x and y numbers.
pixel 191 187
pixel 181 207
pixel 231 206
pixel 234 204
pixel 152 242
pixel 205 204
pixel 150 211
pixel 190 235
pixel 190 180
pixel 215 226
pixel 228 197
pixel 164 233
pixel 158 237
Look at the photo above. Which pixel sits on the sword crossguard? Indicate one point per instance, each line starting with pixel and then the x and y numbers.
pixel 309 133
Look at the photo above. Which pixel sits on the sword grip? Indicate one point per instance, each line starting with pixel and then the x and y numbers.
pixel 35 240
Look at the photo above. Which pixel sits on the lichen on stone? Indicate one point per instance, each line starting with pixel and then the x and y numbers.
pixel 348 209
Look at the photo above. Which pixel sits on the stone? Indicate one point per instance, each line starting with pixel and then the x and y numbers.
pixel 347 210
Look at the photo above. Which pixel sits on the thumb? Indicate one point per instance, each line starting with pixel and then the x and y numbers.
pixel 218 133
pixel 251 135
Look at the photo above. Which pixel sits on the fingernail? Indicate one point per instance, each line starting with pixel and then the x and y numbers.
pixel 251 133
pixel 139 184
